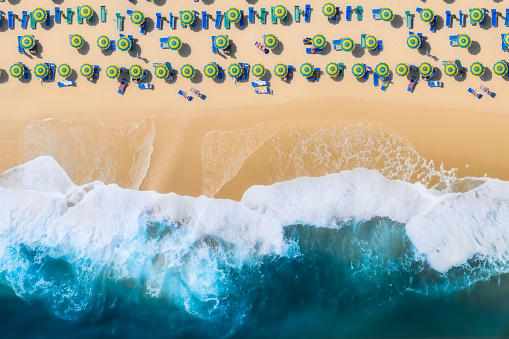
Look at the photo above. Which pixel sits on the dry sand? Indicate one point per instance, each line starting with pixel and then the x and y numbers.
pixel 446 125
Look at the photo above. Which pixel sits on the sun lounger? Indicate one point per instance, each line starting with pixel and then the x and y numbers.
pixel 80 18
pixel 185 95
pixel 385 84
pixel 506 22
pixel 119 22
pixel 48 22
pixel 475 93
pixel 1 17
pixel 194 22
pixel 220 73
pixel 69 15
pixel 96 72
pixel 218 19
pixel 143 28
pixel 159 21
pixel 26 74
pixel 297 14
pixel 245 74
pixel 171 19
pixel 24 20
pixel 251 15
pixel 20 48
pixel 307 13
pixel 129 12
pixel 418 10
pixel 375 79
pixel 380 46
pixel 259 83
pixel 359 11
pixel 313 50
pixel 483 20
pixel 363 40
pixel 32 21
pixel 335 17
pixel 348 13
pixel 453 40
pixel 57 15
pixel 204 20
pixel 376 14
pixel 337 44
pixel 462 19
pixel 123 85
pixel 262 47
pixel 145 86
pixel 432 25
pixel 11 19
pixel 113 46
pixel 65 83
pixel 408 19
pixel 316 74
pixel 272 15
pixel 262 90
pixel 448 18
pixel 494 18
pixel 214 48
pixel 226 22
pixel 487 91
pixel 198 93
pixel 241 20
pixel 263 16
pixel 51 74
pixel 434 83
pixel 412 83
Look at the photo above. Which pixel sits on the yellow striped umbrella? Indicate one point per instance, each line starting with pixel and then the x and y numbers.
pixel 386 14
pixel 64 70
pixel 162 71
pixel 211 70
pixel 477 69
pixel 506 40
pixel 347 44
pixel 500 68
pixel 358 70
pixel 137 17
pixel 451 69
pixel 464 41
pixel 187 17
pixel 477 15
pixel 425 69
pixel 270 40
pixel 187 71
pixel 87 70
pixel 382 70
pixel 27 41
pixel 124 44
pixel 175 43
pixel 112 72
pixel 221 41
pixel 233 15
pixel 76 41
pixel 427 15
pixel 136 71
pixel 319 41
pixel 39 14
pixel 41 70
pixel 281 70
pixel 332 69
pixel 307 69
pixel 235 70
pixel 413 41
pixel 86 11
pixel 402 69
pixel 371 42
pixel 103 42
pixel 329 9
pixel 17 70
pixel 280 12
pixel 258 70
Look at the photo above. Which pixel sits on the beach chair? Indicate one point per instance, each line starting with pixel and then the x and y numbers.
pixel 218 19
pixel 80 18
pixel 143 29
pixel 129 12
pixel 453 40
pixel 434 83
pixel 307 13
pixel 65 83
pixel 204 20
pixel 11 19
pixel 376 14
pixel 289 75
pixel 262 90
pixel 385 84
pixel 316 74
pixel 263 16
pixel 272 15
pixel 418 10
pixel 297 14
pixel 26 74
pixel 241 20
pixel 57 15
pixel 1 17
pixel 148 85
pixel 262 47
pixel 408 19
pixel 122 86
pixel 483 20
pixel 91 19
pixel 433 25
pixel 214 48
pixel 313 51
pixel 113 46
pixel 251 15
pixel 171 19
pixel 103 13
pixel 506 22
pixel 375 79
pixel 185 95
pixel 259 83
pixel 47 23
pixel 220 73
pixel 348 13
pixel 462 19
pixel 197 93
pixel 448 18
pixel 159 21
pixel 412 83
pixel 120 27
pixel 487 91
pixel 494 18
pixel 341 67
pixel 226 22
pixel 96 72
pixel 20 48
pixel 337 44
pixel 359 11
pixel 380 46
pixel 51 74
pixel 285 19
pixel 475 93
pixel 69 15
pixel 335 17
pixel 24 20
pixel 363 40
pixel 32 21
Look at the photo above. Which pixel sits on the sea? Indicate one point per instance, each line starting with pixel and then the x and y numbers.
pixel 347 255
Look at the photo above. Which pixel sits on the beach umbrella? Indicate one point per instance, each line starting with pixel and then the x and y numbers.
pixel 221 41
pixel 235 70
pixel 382 70
pixel 425 69
pixel 233 15
pixel 500 68
pixel 477 15
pixel 211 70
pixel 477 69
pixel 371 42
pixel 280 12
pixel 175 43
pixel 136 71
pixel 464 41
pixel 39 14
pixel 386 14
pixel 270 40
pixel 258 70
pixel 64 70
pixel 27 41
pixel 414 41
pixel 319 41
pixel 347 44
pixel 87 70
pixel 329 9
pixel 332 69
pixel 112 72
pixel 402 69
pixel 17 70
pixel 427 15
pixel 162 71
pixel 76 41
pixel 187 17
pixel 307 70
pixel 41 70
pixel 137 17
pixel 358 70
pixel 103 42
pixel 451 69
pixel 187 71
pixel 281 70
pixel 506 40
pixel 86 11
pixel 124 44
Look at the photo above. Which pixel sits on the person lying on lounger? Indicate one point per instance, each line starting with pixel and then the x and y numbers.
pixel 308 41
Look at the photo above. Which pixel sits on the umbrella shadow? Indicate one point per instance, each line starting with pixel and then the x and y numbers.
pixel 4 76
pixel 159 2
pixel 58 2
pixel 209 2
pixel 73 76
pixel 148 78
pixel 397 21
pixel 426 47
pixel 149 25
pixel 198 77
pixel 26 81
pixel 363 80
pixel 135 50
pixel 487 76
pixel 464 77
pixel 439 22
pixel 374 52
pixel 14 2
pixel 267 76
pixel 326 49
pixel 174 79
pixel 279 48
pixel 475 48
pixel 107 52
pixel 185 50
pixel 233 50
pixel 358 51
pixel 84 49
pixel 96 20
pixel 198 25
pixel 289 21
pixel 220 81
pixel 51 23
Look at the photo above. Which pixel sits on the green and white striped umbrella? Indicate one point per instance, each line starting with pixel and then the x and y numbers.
pixel 211 70
pixel 162 71
pixel 386 14
pixel 427 15
pixel 332 69
pixel 281 70
pixel 221 41
pixel 464 41
pixel 425 69
pixel 112 72
pixel 41 70
pixel 500 68
pixel 187 17
pixel 87 70
pixel 76 41
pixel 27 41
pixel 136 71
pixel 477 15
pixel 39 14
pixel 17 70
pixel 347 44
pixel 175 43
pixel 235 70
pixel 319 41
pixel 413 41
pixel 477 69
pixel 103 42
pixel 451 69
pixel 371 42
pixel 258 70
pixel 137 17
pixel 402 69
pixel 280 12
pixel 358 70
pixel 64 70
pixel 86 11
pixel 124 44
pixel 270 40
pixel 382 70
pixel 307 69
pixel 329 9
pixel 187 71
pixel 233 15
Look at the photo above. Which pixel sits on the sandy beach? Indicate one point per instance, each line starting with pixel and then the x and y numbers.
pixel 155 140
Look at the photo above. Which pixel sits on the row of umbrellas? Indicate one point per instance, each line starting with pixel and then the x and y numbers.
pixel 103 42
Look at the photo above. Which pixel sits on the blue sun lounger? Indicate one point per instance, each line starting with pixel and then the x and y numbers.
pixel 434 83
pixel 385 84
pixel 51 73
pixel 259 83
pixel 251 15
pixel 159 21
pixel 241 20
pixel 375 79
pixel 418 10
pixel 307 13
pixel 289 75
pixel 20 48
pixel 412 83
pixel 506 17
pixel 57 15
pixel 96 72
pixel 26 75
pixel 380 46
pixel 453 40
pixel 377 14
pixel 218 19
pixel 317 50
pixel 317 74
pixel 348 13
pixel 432 27
pixel 143 29
pixel 214 48
pixel 65 83
pixel 189 98
pixel 11 19
pixel 220 73
pixel 204 20
pixel 24 20
pixel 483 20
pixel 448 18
pixel 478 96
pixel 171 19
pixel 48 23
pixel 129 12
pixel 494 18
pixel 368 70
pixel 1 17
pixel 113 47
